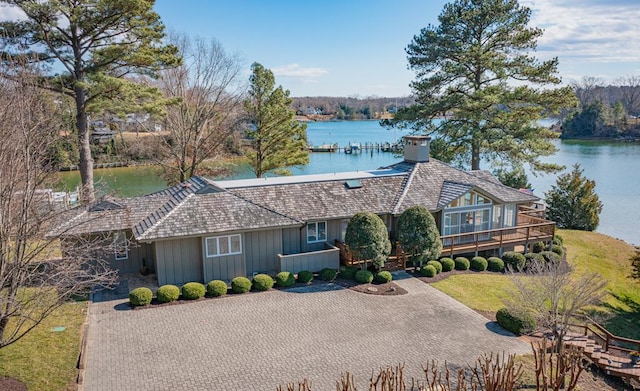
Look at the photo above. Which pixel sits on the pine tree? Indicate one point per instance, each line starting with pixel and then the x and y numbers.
pixel 573 203
pixel 94 45
pixel 475 74
pixel 278 141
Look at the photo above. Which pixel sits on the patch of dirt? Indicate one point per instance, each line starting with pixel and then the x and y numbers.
pixel 12 384
pixel 387 289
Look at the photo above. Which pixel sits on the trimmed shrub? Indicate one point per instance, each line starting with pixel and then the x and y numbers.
pixel 383 277
pixel 285 279
pixel 328 274
pixel 495 264
pixel 193 290
pixel 550 256
pixel 533 257
pixel 364 276
pixel 516 323
pixel 437 265
pixel 557 239
pixel 140 297
pixel 217 288
pixel 448 264
pixel 514 260
pixel 348 272
pixel 240 285
pixel 305 277
pixel 462 263
pixel 479 264
pixel 428 271
pixel 168 293
pixel 539 246
pixel 262 282
pixel 557 248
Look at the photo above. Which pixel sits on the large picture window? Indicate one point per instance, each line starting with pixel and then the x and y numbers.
pixel 218 246
pixel 120 246
pixel 317 232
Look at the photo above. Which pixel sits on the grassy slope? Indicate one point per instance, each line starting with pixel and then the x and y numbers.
pixel 586 251
pixel 43 359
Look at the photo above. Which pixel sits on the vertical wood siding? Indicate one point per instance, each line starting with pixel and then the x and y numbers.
pixel 179 261
pixel 261 251
pixel 291 239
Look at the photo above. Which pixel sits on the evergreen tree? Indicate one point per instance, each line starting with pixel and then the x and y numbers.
pixel 515 178
pixel 368 239
pixel 635 265
pixel 418 234
pixel 475 72
pixel 278 141
pixel 573 203
pixel 94 44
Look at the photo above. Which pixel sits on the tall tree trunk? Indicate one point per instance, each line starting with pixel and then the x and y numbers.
pixel 87 192
pixel 475 153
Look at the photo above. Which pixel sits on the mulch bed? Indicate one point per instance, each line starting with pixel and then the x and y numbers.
pixel 387 289
pixel 12 384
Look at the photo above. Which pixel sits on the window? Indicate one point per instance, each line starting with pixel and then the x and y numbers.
pixel 497 216
pixel 317 232
pixel 469 199
pixel 468 221
pixel 509 215
pixel 223 245
pixel 120 246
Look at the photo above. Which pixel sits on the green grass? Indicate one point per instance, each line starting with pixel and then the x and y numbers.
pixel 586 251
pixel 44 359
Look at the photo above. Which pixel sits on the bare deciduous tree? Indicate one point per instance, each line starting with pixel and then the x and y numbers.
pixel 630 90
pixel 32 284
pixel 588 89
pixel 209 89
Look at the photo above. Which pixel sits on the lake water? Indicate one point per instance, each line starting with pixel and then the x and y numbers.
pixel 614 166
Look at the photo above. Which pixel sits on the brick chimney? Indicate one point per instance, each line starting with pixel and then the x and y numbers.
pixel 416 148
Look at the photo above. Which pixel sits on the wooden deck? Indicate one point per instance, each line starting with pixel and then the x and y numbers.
pixel 397 259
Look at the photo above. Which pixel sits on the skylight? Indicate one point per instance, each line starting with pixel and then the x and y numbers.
pixel 353 184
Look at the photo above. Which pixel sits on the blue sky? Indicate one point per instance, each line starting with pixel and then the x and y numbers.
pixel 356 47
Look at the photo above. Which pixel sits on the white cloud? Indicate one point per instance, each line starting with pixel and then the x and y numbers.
pixel 295 71
pixel 10 13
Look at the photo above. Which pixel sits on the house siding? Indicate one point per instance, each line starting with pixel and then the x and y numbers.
pixel 224 267
pixel 291 239
pixel 261 249
pixel 179 261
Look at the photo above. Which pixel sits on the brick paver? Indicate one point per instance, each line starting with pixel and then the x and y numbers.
pixel 259 341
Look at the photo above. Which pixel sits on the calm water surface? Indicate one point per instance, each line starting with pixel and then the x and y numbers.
pixel 614 166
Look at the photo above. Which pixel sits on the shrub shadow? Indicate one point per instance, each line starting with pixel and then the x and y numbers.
pixel 621 322
pixel 495 328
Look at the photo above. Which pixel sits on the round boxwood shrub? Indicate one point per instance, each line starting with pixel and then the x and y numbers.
pixel 193 290
pixel 168 293
pixel 516 323
pixel 285 279
pixel 495 264
pixel 556 248
pixel 428 271
pixel 140 297
pixel 539 246
pixel 515 261
pixel 462 263
pixel 384 277
pixel 348 272
pixel 550 256
pixel 437 265
pixel 328 274
pixel 262 282
pixel 530 257
pixel 217 288
pixel 240 285
pixel 558 240
pixel 478 264
pixel 448 264
pixel 305 277
pixel 364 276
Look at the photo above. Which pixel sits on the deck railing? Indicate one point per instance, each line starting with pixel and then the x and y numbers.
pixel 608 341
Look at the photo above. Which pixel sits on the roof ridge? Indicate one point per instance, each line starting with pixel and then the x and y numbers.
pixel 162 218
pixel 230 191
pixel 406 184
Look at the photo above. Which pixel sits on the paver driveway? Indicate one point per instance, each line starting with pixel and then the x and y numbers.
pixel 259 341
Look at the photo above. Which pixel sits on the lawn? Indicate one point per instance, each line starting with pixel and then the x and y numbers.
pixel 45 359
pixel 586 251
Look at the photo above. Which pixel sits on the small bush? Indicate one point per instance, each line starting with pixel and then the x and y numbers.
pixel 462 263
pixel 550 256
pixel 539 247
pixel 305 277
pixel 533 257
pixel 240 285
pixel 262 282
pixel 448 264
pixel 285 279
pixel 193 290
pixel 479 264
pixel 140 297
pixel 437 265
pixel 428 271
pixel 364 276
pixel 556 248
pixel 384 277
pixel 328 274
pixel 168 293
pixel 495 264
pixel 217 288
pixel 348 272
pixel 514 260
pixel 558 240
pixel 516 323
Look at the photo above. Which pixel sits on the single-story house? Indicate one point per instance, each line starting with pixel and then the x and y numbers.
pixel 202 229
